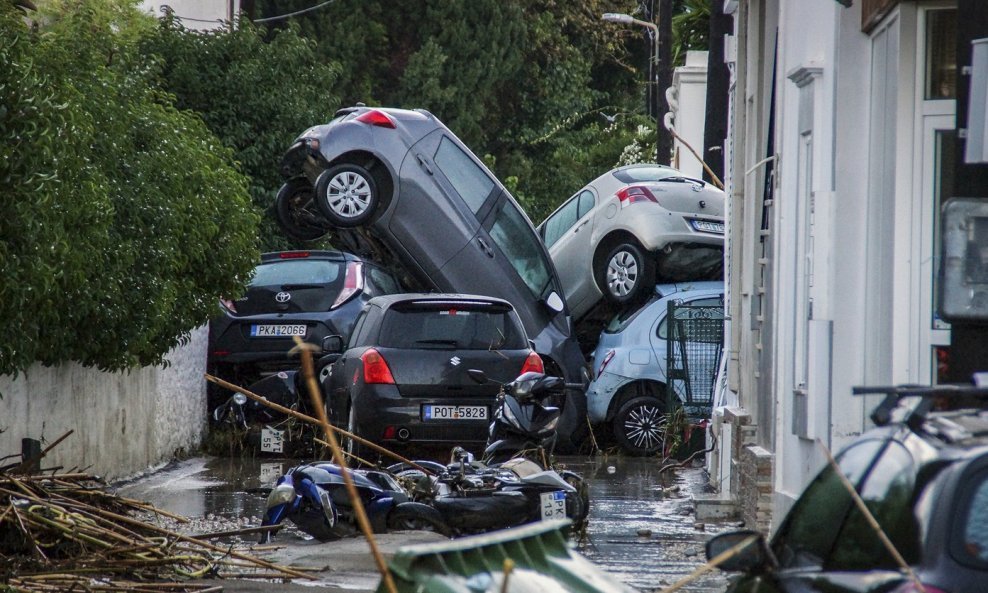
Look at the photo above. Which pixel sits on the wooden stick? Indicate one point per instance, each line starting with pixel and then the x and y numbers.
pixel 506 569
pixel 314 421
pixel 714 563
pixel 871 519
pixel 355 501
pixel 717 181
pixel 244 531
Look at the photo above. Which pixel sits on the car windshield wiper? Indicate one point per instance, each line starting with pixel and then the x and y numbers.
pixel 300 286
pixel 452 343
pixel 678 179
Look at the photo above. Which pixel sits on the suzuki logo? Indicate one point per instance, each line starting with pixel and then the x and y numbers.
pixel 282 297
pixel 455 361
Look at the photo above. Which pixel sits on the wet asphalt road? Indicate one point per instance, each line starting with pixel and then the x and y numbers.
pixel 642 527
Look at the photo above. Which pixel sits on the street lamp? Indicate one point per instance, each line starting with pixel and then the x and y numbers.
pixel 627 19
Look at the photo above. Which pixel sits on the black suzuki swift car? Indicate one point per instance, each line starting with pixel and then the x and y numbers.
pixel 403 379
pixel 922 475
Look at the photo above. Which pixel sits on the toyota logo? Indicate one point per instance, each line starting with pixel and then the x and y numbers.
pixel 282 297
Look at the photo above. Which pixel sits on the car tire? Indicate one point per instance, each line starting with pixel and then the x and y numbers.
pixel 625 274
pixel 639 425
pixel 352 446
pixel 347 195
pixel 297 213
pixel 417 516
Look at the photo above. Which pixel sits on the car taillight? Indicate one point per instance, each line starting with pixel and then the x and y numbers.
pixel 352 284
pixel 376 371
pixel 376 118
pixel 293 254
pixel 603 363
pixel 634 194
pixel 532 364
pixel 229 305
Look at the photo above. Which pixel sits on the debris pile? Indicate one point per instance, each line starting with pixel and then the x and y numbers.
pixel 67 533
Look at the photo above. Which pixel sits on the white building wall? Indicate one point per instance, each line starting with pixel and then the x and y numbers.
pixel 689 98
pixel 123 422
pixel 196 14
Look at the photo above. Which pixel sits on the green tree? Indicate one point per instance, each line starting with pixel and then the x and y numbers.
pixel 255 95
pixel 124 219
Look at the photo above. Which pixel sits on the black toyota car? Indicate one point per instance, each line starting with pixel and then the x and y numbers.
pixel 309 294
pixel 402 378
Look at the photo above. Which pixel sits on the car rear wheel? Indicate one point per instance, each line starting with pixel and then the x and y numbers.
pixel 297 213
pixel 352 446
pixel 346 195
pixel 625 274
pixel 640 425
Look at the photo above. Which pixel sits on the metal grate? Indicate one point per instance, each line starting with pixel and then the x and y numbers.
pixel 693 350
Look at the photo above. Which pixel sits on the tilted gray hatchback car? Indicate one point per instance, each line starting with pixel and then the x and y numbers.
pixel 400 187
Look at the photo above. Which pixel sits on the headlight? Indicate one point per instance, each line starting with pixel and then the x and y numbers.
pixel 282 494
pixel 523 388
pixel 239 398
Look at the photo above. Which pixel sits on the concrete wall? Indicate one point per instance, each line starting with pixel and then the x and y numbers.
pixel 124 422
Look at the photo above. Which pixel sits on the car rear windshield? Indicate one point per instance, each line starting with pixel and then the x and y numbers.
pixel 297 271
pixel 450 327
pixel 639 174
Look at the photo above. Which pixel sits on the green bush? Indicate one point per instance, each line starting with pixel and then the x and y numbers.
pixel 124 217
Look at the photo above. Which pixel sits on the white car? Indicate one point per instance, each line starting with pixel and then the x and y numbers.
pixel 631 227
pixel 630 386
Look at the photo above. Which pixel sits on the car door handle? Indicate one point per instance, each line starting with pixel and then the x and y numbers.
pixel 424 163
pixel 581 225
pixel 485 247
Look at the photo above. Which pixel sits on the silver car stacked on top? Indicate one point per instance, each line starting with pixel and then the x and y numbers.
pixel 634 225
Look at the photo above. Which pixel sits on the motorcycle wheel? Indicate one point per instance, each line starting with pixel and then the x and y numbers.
pixel 579 503
pixel 347 195
pixel 296 211
pixel 417 516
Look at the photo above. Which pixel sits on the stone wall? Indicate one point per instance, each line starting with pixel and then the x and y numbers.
pixel 123 422
pixel 752 477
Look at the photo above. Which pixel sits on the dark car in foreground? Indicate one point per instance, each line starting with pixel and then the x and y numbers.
pixel 310 294
pixel 399 186
pixel 403 379
pixel 922 475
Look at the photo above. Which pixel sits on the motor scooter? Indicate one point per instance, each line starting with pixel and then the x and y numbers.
pixel 522 423
pixel 314 498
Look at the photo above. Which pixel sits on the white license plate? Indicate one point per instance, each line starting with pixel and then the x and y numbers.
pixel 272 441
pixel 277 331
pixel 431 412
pixel 553 505
pixel 270 472
pixel 708 226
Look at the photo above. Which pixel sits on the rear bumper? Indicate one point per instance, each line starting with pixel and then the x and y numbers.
pixel 378 407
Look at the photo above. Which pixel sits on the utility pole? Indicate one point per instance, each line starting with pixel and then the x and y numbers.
pixel 663 80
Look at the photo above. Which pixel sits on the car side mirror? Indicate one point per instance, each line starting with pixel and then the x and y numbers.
pixel 332 344
pixel 555 302
pixel 745 550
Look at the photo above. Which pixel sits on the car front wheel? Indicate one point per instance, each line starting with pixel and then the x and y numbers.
pixel 625 274
pixel 346 195
pixel 640 425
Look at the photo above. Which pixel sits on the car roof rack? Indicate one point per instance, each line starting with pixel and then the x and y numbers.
pixel 882 414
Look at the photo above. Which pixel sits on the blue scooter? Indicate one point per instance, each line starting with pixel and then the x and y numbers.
pixel 314 498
